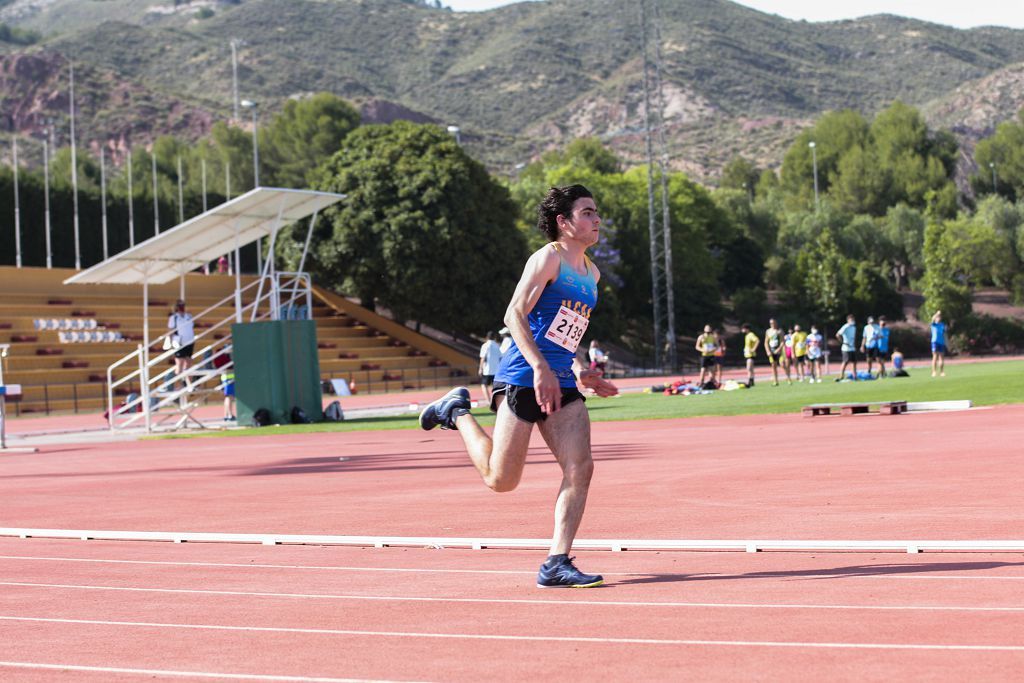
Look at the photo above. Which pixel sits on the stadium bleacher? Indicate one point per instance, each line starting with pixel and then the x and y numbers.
pixel 63 338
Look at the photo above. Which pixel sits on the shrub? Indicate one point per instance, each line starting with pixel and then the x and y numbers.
pixel 980 334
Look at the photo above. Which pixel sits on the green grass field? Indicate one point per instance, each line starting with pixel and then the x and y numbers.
pixel 987 383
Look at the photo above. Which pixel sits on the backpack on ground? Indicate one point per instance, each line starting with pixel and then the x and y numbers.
pixel 299 416
pixel 261 418
pixel 334 413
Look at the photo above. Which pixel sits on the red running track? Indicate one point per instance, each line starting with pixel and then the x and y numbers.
pixel 133 610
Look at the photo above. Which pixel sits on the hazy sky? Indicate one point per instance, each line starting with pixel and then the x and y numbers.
pixel 962 14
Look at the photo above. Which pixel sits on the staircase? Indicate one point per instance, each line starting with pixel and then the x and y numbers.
pixel 371 352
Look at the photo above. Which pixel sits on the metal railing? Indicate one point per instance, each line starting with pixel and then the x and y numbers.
pixel 158 391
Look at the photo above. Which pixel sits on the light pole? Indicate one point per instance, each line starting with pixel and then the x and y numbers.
pixel 131 204
pixel 103 200
pixel 17 207
pixel 74 168
pixel 249 104
pixel 235 43
pixel 156 197
pixel 814 157
pixel 457 132
pixel 46 200
pixel 992 165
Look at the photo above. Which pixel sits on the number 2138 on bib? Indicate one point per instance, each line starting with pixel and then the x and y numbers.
pixel 567 329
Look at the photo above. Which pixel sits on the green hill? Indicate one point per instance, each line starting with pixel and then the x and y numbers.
pixel 516 79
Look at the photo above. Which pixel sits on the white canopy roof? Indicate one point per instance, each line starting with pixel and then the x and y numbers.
pixel 208 236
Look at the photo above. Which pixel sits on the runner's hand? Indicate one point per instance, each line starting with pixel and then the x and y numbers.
pixel 595 381
pixel 547 390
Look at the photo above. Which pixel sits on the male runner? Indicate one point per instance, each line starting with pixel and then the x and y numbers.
pixel 800 352
pixel 707 345
pixel 773 345
pixel 537 381
pixel 847 335
pixel 750 344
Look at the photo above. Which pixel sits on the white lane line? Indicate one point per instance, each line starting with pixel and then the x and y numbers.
pixel 529 572
pixel 183 674
pixel 513 601
pixel 543 639
pixel 250 565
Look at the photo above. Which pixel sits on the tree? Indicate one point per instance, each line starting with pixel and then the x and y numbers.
pixel 424 230
pixel 868 168
pixel 960 254
pixel 820 283
pixel 303 136
pixel 903 228
pixel 833 135
pixel 1002 153
pixel 740 174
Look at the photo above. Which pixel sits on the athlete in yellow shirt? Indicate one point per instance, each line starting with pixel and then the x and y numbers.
pixel 799 351
pixel 707 344
pixel 750 344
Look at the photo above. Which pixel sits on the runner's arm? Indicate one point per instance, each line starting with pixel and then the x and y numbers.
pixel 541 269
pixel 593 379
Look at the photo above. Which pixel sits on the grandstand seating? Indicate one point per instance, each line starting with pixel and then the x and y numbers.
pixel 63 338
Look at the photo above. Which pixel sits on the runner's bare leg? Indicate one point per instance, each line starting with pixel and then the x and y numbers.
pixel 499 458
pixel 567 434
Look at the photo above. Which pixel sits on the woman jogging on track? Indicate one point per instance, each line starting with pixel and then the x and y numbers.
pixel 537 381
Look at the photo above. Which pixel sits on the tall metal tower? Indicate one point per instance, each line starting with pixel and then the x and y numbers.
pixel 662 294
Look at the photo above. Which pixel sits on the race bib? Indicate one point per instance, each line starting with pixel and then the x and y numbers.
pixel 567 329
pixel 709 348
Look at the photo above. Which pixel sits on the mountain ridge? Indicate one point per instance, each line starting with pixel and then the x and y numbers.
pixel 524 77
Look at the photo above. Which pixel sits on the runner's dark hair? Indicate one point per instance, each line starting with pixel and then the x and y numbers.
pixel 558 202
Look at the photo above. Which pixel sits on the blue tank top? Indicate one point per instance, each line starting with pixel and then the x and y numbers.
pixel 576 292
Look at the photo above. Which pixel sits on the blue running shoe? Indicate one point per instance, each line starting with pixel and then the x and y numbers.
pixel 442 412
pixel 564 574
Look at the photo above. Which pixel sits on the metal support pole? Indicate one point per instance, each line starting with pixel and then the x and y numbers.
pixel 144 355
pixel 74 171
pixel 156 201
pixel 131 204
pixel 238 279
pixel 181 196
pixel 17 208
pixel 234 76
pixel 103 200
pixel 46 203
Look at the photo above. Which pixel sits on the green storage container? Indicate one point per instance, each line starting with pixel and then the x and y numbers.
pixel 277 367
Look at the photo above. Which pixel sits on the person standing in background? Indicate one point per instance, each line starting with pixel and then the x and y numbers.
pixel 882 344
pixel 938 345
pixel 847 334
pixel 750 344
pixel 773 345
pixel 719 357
pixel 869 342
pixel 814 342
pixel 597 357
pixel 183 338
pixel 506 341
pixel 707 344
pixel 799 352
pixel 490 359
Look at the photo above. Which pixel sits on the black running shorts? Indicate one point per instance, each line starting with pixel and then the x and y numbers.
pixel 523 402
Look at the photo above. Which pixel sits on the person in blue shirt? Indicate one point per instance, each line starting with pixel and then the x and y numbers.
pixel 536 383
pixel 938 345
pixel 847 335
pixel 869 342
pixel 882 343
